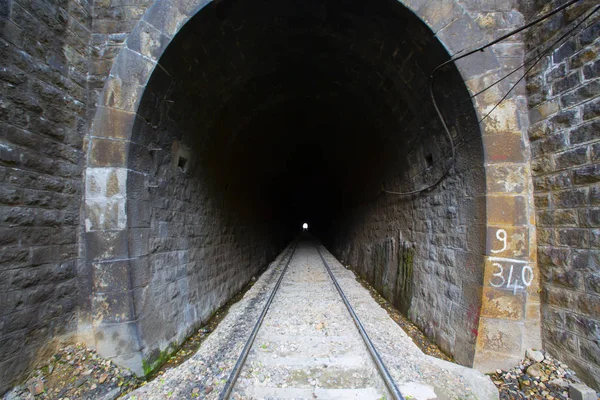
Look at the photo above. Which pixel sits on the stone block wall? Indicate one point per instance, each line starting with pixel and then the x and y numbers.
pixel 564 102
pixel 43 95
pixel 424 252
pixel 197 244
pixel 112 21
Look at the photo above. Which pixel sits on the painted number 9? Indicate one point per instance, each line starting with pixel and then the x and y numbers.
pixel 501 236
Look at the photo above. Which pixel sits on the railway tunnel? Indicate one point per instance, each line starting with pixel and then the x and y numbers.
pixel 262 115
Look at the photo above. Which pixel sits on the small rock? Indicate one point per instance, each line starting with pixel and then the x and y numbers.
pixel 559 383
pixel 261 377
pixel 535 355
pixel 208 389
pixel 534 370
pixel 102 378
pixel 195 390
pixel 36 387
pixel 80 381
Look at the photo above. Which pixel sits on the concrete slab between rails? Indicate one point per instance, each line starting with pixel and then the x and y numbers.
pixel 417 375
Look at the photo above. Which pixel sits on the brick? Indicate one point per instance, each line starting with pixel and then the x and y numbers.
pixel 586 259
pixel 584 92
pixel 571 158
pixel 592 70
pixel 587 174
pixel 591 109
pixel 564 51
pixel 583 57
pixel 572 237
pixel 588 304
pixel 590 34
pixel 585 133
pixel 589 217
pixel 566 83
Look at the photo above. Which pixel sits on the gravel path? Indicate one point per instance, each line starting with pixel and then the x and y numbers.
pixel 308 346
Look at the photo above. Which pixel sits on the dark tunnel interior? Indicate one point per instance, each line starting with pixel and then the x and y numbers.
pixel 302 110
pixel 264 114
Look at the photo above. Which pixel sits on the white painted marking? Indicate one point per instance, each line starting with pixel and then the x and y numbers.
pixel 501 236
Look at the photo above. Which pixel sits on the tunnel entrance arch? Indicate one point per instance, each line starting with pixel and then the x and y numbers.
pixel 502 312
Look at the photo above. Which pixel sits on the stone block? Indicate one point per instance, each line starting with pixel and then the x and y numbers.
pixel 147 41
pixel 511 242
pixel 138 213
pixel 500 336
pixel 571 158
pixel 583 93
pixel 579 391
pixel 165 17
pixel 439 14
pixel 112 308
pixel 572 237
pixel 576 197
pixel 105 183
pixel 591 109
pixel 543 111
pixel 588 304
pixel 138 186
pixel 586 175
pixel 589 217
pixel 112 276
pixel 503 304
pixel 539 130
pixel 506 178
pixel 122 95
pixel 108 153
pixel 113 123
pixel 117 339
pixel 132 67
pixel 502 120
pixel 564 51
pixel 592 70
pixel 507 210
pixel 567 83
pixel 140 158
pixel 133 361
pixel 138 241
pixel 105 214
pixel 106 245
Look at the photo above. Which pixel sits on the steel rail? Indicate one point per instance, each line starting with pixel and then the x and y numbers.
pixel 383 371
pixel 235 373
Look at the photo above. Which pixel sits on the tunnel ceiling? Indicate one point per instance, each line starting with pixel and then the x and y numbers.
pixel 298 110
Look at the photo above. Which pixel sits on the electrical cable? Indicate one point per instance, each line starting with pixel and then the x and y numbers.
pixel 540 57
pixel 451 160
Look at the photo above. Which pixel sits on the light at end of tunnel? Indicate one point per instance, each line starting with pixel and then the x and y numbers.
pixel 305 226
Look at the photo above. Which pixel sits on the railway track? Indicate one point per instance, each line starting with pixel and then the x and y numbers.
pixel 319 350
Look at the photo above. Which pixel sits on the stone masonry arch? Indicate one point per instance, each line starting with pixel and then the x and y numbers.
pixel 116 238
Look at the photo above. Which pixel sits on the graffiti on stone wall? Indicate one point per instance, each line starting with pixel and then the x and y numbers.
pixel 509 273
